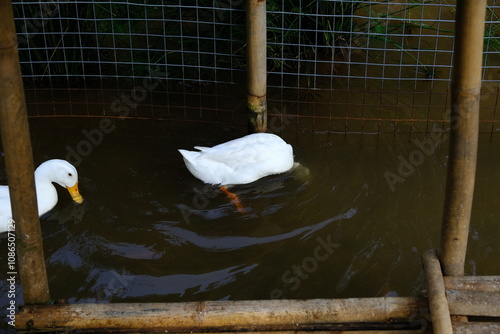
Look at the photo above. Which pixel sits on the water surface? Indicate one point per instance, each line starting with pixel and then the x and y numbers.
pixel 149 231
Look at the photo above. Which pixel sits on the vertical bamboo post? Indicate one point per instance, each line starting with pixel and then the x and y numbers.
pixel 257 64
pixel 465 93
pixel 438 304
pixel 19 163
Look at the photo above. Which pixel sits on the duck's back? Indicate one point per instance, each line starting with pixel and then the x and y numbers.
pixel 241 160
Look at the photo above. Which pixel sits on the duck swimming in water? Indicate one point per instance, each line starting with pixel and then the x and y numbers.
pixel 49 172
pixel 240 161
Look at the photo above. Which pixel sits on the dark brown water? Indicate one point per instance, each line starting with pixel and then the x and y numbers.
pixel 149 231
pixel 356 226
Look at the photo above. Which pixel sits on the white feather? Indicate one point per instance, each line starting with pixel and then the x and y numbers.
pixel 57 171
pixel 240 161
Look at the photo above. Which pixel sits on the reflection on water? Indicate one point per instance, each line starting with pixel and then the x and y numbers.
pixel 149 231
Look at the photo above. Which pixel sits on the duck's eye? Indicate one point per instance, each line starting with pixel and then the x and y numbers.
pixel 70 175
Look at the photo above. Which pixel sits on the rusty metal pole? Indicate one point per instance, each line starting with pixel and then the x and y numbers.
pixel 257 64
pixel 465 90
pixel 19 163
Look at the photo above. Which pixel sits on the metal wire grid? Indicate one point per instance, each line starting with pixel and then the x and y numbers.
pixel 120 39
pixel 349 66
pixel 389 40
pixel 385 70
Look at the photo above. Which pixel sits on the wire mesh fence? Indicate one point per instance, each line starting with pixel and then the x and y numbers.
pixel 337 66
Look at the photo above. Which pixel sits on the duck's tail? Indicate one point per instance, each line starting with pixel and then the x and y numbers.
pixel 189 156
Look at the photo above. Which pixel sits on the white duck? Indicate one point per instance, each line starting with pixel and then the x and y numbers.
pixel 57 171
pixel 240 161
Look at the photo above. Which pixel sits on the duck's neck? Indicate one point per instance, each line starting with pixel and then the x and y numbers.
pixel 46 193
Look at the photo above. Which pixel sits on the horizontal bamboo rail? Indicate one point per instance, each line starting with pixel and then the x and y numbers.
pixel 340 331
pixel 262 315
pixel 473 283
pixel 474 303
pixel 397 314
pixel 476 327
pixel 473 295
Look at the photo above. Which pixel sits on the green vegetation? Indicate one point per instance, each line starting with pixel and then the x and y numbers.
pixel 492 32
pixel 136 38
pixel 56 52
pixel 389 29
pixel 306 32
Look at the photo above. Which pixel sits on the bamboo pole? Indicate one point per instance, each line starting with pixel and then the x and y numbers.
pixel 19 164
pixel 220 316
pixel 474 303
pixel 465 93
pixel 473 283
pixel 476 327
pixel 438 304
pixel 257 64
pixel 338 331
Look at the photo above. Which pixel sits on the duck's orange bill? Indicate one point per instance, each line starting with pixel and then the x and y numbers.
pixel 234 198
pixel 75 194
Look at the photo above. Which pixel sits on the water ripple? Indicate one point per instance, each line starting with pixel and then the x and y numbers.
pixel 179 235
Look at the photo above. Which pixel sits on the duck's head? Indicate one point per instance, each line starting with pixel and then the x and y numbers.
pixel 64 174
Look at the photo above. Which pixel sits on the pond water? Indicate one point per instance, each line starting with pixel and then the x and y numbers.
pixel 355 226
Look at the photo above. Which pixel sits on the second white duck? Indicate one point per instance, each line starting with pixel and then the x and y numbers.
pixel 49 172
